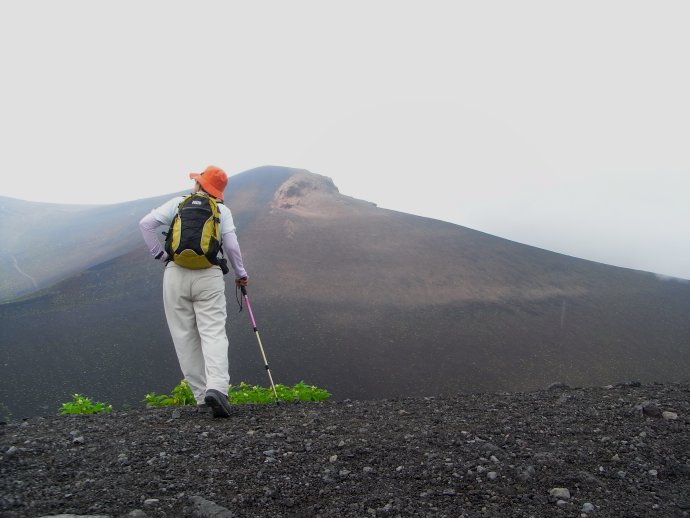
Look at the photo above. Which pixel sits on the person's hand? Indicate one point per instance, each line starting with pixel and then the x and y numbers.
pixel 242 281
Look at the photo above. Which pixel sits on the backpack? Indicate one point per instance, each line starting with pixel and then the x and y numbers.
pixel 193 240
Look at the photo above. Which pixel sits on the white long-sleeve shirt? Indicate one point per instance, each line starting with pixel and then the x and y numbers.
pixel 163 216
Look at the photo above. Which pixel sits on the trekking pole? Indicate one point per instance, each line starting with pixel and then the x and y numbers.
pixel 261 347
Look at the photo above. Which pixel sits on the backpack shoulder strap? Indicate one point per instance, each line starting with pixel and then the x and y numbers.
pixel 184 201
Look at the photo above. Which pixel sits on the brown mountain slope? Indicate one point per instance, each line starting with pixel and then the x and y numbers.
pixel 363 301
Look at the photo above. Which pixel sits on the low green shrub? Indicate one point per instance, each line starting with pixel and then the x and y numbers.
pixel 82 405
pixel 181 395
pixel 242 394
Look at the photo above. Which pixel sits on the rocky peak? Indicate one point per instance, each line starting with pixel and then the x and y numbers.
pixel 304 191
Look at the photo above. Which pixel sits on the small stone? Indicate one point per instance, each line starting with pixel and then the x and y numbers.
pixel 561 503
pixel 332 458
pixel 527 473
pixel 653 473
pixel 669 416
pixel 151 501
pixel 494 459
pixel 78 440
pixel 616 458
pixel 560 493
pixel 13 450
pixel 587 508
pixel 651 409
pixel 492 475
pixel 557 385
pixel 137 513
pixel 205 507
pixel 341 444
pixel 399 468
pixel 269 453
pixel 449 492
pixel 176 414
pixel 368 469
pixel 344 472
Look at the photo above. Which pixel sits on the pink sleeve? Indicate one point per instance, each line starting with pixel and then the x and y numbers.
pixel 148 226
pixel 232 251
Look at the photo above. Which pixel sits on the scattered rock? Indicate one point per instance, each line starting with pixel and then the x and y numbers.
pixel 557 385
pixel 560 493
pixel 482 453
pixel 669 416
pixel 207 509
pixel 628 384
pixel 11 451
pixel 651 410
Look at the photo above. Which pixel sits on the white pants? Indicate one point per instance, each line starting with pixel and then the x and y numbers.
pixel 194 302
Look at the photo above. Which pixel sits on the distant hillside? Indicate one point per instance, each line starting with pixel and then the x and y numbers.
pixel 44 243
pixel 364 301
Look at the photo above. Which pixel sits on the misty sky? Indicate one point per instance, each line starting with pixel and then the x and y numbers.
pixel 561 125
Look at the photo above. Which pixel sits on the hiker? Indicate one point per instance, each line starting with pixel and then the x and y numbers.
pixel 193 285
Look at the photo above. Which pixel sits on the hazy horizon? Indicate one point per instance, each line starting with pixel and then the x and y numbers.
pixel 562 126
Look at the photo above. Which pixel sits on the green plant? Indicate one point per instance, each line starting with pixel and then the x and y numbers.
pixel 245 393
pixel 82 405
pixel 241 394
pixel 181 395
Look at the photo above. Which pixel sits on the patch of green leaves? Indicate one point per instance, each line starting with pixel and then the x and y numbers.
pixel 82 405
pixel 245 393
pixel 181 395
pixel 242 394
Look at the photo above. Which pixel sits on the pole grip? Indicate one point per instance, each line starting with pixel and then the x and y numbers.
pixel 244 290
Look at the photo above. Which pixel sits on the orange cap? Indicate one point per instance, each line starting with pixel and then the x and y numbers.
pixel 213 180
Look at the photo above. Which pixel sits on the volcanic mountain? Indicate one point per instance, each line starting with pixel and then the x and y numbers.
pixel 363 301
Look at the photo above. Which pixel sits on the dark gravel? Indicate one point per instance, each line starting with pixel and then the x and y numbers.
pixel 560 452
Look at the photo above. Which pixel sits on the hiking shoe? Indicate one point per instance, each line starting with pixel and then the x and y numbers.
pixel 220 406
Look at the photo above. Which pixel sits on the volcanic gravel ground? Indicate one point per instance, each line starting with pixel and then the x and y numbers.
pixel 557 452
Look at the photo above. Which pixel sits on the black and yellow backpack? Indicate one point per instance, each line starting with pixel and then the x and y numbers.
pixel 193 240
